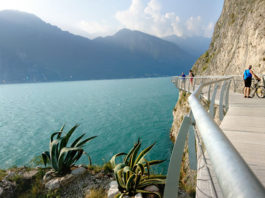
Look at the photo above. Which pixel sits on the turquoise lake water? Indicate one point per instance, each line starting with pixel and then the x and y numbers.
pixel 118 111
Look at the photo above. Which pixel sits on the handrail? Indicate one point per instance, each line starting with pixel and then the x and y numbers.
pixel 233 174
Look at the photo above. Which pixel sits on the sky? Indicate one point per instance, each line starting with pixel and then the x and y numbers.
pixel 93 18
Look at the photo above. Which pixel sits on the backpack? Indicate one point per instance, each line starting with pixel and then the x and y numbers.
pixel 247 74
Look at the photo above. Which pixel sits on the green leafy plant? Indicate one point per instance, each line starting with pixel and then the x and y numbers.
pixel 61 157
pixel 133 174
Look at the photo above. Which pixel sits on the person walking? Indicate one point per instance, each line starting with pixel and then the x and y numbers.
pixel 191 75
pixel 247 76
pixel 183 78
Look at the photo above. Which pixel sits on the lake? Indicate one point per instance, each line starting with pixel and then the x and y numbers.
pixel 117 111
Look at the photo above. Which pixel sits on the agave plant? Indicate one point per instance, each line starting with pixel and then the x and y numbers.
pixel 63 157
pixel 133 174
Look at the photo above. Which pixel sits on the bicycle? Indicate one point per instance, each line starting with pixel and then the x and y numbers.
pixel 256 88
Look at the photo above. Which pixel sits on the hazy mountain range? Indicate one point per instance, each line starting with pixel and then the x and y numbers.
pixel 196 45
pixel 32 50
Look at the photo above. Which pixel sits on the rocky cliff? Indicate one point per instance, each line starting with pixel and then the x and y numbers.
pixel 238 40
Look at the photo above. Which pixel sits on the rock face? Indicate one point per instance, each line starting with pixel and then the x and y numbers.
pixel 187 176
pixel 238 40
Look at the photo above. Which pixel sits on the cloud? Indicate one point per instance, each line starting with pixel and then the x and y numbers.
pixel 195 27
pixel 209 30
pixel 149 18
pixel 94 29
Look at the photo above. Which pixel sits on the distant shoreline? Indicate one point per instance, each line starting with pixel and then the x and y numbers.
pixel 12 83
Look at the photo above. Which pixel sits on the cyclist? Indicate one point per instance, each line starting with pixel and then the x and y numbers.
pixel 247 76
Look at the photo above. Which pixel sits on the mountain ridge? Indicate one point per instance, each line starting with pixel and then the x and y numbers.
pixel 38 51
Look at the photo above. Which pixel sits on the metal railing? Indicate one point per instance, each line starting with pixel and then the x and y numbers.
pixel 233 174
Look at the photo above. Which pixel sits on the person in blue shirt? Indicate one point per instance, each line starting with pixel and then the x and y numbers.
pixel 183 76
pixel 247 76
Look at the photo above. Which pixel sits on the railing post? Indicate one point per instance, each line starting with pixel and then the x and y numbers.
pixel 221 110
pixel 211 109
pixel 227 96
pixel 194 84
pixel 176 82
pixel 192 144
pixel 188 85
pixel 192 149
pixel 209 92
pixel 173 173
pixel 233 174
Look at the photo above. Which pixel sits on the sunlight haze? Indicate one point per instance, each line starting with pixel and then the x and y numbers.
pixel 100 18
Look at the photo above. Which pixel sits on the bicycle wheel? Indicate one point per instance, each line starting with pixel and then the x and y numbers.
pixel 260 92
pixel 252 91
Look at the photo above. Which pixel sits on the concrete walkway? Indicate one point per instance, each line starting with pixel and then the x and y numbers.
pixel 244 125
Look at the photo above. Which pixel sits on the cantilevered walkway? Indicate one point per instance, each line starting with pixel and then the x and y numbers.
pixel 221 172
pixel 244 126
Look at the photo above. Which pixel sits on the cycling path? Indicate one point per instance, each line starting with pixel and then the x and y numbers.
pixel 244 126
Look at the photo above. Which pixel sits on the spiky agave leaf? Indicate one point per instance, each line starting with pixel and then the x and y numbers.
pixel 89 158
pixel 121 184
pixel 127 172
pixel 147 166
pixel 77 143
pixel 54 134
pixel 113 159
pixel 63 153
pixel 154 162
pixel 58 133
pixel 66 138
pixel 127 158
pixel 45 157
pixel 61 131
pixel 130 183
pixel 77 140
pixel 140 167
pixel 72 157
pixel 119 167
pixel 143 153
pixel 137 180
pixel 154 177
pixel 54 153
pixel 134 173
pixel 72 153
pixel 120 195
pixel 117 195
pixel 134 155
pixel 147 182
pixel 85 141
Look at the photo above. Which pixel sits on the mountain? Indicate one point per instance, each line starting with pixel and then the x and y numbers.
pixel 196 46
pixel 238 40
pixel 32 50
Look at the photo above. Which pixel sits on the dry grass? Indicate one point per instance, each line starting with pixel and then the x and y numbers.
pixel 2 174
pixel 97 193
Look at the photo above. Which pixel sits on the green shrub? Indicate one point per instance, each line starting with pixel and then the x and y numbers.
pixel 133 174
pixel 61 157
pixel 107 167
pixel 3 173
